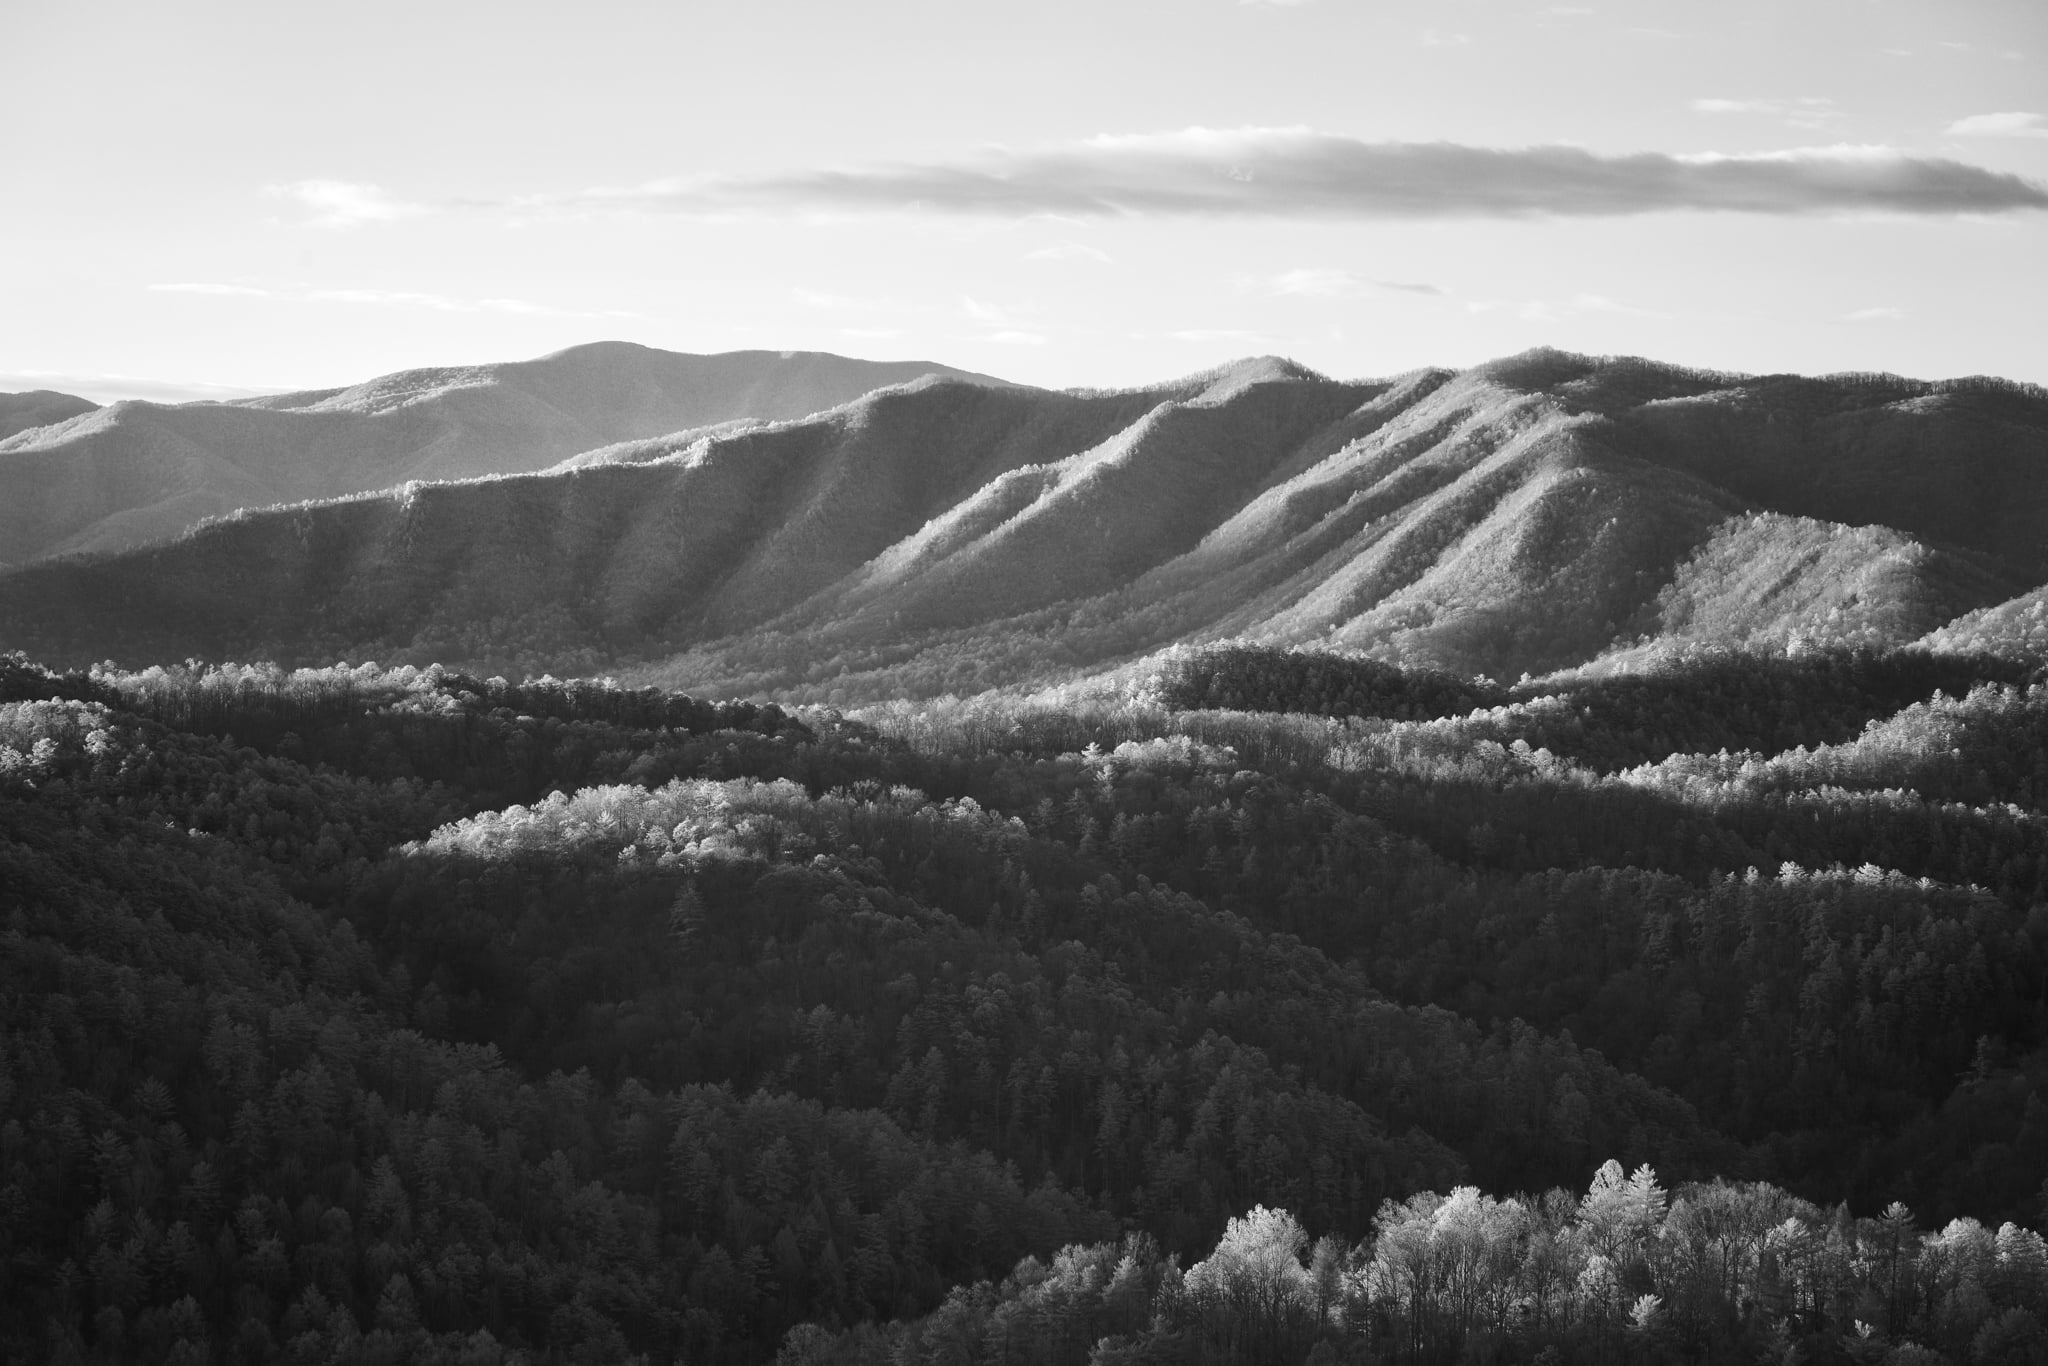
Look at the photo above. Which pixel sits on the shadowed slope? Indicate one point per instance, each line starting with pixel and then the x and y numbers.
pixel 137 472
pixel 580 564
pixel 1509 519
pixel 1528 515
pixel 39 408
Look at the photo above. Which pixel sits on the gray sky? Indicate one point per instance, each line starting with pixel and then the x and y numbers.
pixel 214 198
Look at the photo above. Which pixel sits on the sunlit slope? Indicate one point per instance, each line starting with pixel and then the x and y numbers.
pixel 39 408
pixel 1523 516
pixel 1510 518
pixel 136 472
pixel 575 565
pixel 2017 627
pixel 1090 523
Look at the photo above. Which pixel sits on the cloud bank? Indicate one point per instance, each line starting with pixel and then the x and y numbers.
pixel 106 388
pixel 1293 172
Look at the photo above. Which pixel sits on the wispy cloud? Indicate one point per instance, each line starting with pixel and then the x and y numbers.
pixel 981 312
pixel 1296 172
pixel 406 298
pixel 1011 337
pixel 871 333
pixel 841 303
pixel 213 287
pixel 1807 112
pixel 1556 310
pixel 386 298
pixel 1600 303
pixel 1069 251
pixel 1874 315
pixel 1317 284
pixel 1437 38
pixel 1221 334
pixel 2017 124
pixel 1314 282
pixel 346 204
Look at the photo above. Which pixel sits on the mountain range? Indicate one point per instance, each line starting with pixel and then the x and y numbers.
pixel 950 533
pixel 83 478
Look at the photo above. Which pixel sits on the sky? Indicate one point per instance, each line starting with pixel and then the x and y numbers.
pixel 216 199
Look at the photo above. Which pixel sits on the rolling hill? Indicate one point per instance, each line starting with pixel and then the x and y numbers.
pixel 135 472
pixel 1531 514
pixel 39 408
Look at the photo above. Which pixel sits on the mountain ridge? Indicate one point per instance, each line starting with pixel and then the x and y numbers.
pixel 1539 512
pixel 33 408
pixel 136 472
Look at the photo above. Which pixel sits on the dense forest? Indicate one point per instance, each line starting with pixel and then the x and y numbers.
pixel 1272 1007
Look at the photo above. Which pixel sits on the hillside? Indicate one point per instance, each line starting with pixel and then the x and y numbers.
pixel 38 408
pixel 398 1015
pixel 1528 515
pixel 136 472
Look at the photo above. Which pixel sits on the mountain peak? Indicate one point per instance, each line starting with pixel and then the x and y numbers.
pixel 149 471
pixel 744 522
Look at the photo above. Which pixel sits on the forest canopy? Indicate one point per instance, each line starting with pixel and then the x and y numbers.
pixel 1278 1007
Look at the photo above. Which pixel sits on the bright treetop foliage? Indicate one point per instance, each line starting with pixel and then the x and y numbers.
pixel 404 1015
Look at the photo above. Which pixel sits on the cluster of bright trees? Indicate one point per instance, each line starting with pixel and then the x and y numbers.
pixel 1626 1272
pixel 396 1015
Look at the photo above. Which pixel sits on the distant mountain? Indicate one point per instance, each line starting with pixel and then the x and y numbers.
pixel 132 473
pixel 39 408
pixel 1534 513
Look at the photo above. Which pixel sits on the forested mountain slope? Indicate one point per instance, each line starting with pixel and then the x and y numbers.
pixel 38 408
pixel 138 472
pixel 402 1015
pixel 1527 515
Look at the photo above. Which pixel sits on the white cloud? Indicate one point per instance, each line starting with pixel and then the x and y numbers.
pixel 1216 334
pixel 1600 303
pixel 1436 38
pixel 1320 283
pixel 1014 338
pixel 1806 112
pixel 2016 124
pixel 441 303
pixel 871 333
pixel 207 287
pixel 981 312
pixel 840 303
pixel 1874 315
pixel 1070 251
pixel 345 204
pixel 388 298
pixel 1556 310
pixel 1300 173
pixel 1323 284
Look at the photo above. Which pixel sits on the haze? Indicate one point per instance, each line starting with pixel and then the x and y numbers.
pixel 214 200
